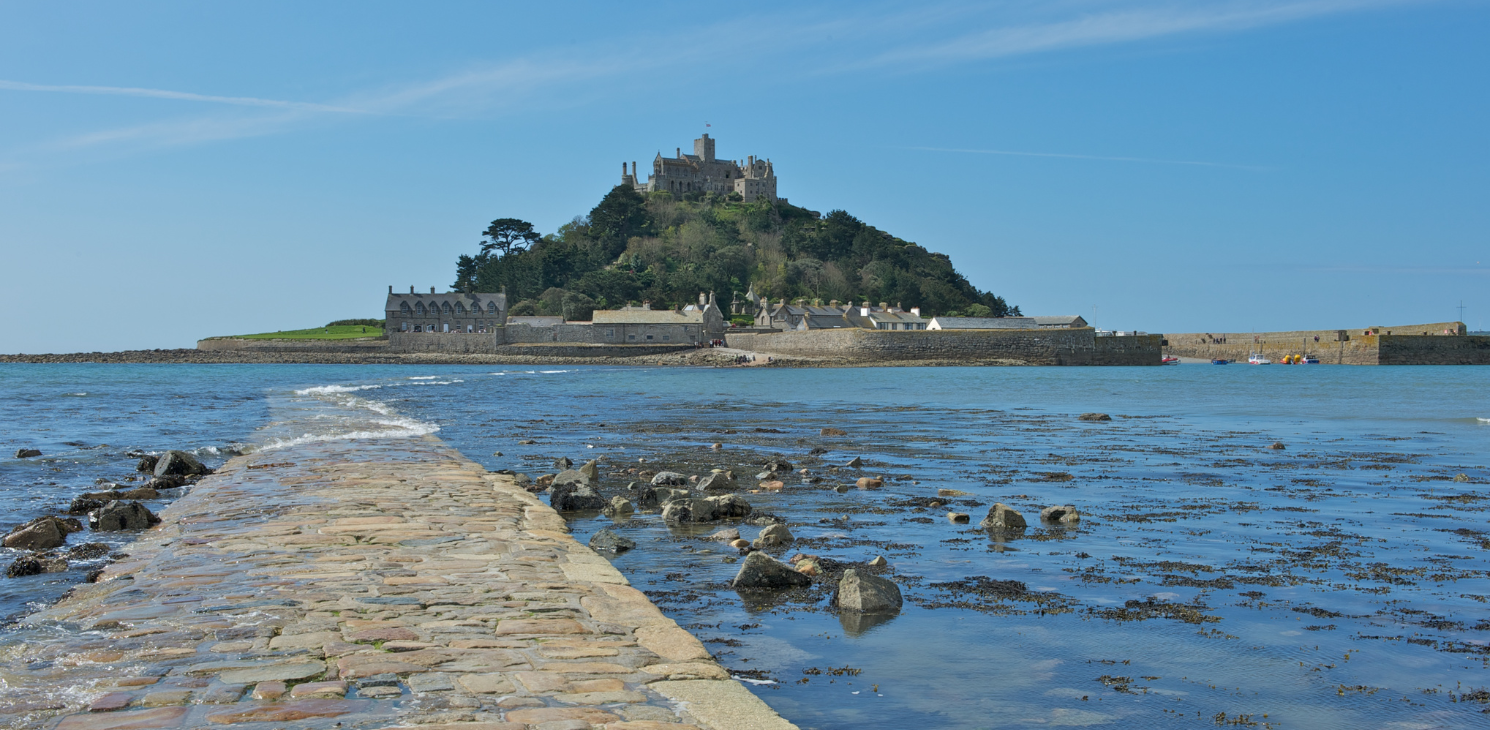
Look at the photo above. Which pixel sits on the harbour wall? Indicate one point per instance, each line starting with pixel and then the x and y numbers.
pixel 957 347
pixel 237 344
pixel 1419 344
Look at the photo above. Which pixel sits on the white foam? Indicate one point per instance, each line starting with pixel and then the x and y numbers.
pixel 83 393
pixel 550 372
pixel 1483 420
pixel 755 681
pixel 398 428
pixel 328 389
pixel 424 377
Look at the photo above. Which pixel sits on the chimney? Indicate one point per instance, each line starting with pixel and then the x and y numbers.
pixel 884 307
pixel 679 153
pixel 833 303
pixel 390 288
pixel 916 311
pixel 411 288
pixel 431 290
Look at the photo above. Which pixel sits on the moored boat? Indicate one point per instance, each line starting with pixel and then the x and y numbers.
pixel 1171 360
pixel 1219 361
pixel 1258 359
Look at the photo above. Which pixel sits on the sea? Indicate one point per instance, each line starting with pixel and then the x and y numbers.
pixel 1259 546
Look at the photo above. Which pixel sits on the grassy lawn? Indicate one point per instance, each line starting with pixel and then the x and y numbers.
pixel 339 332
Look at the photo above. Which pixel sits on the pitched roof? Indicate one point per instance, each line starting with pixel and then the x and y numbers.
pixel 1065 320
pixel 536 320
pixel 467 300
pixel 646 316
pixel 985 323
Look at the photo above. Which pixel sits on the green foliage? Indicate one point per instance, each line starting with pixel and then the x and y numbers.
pixel 333 331
pixel 357 323
pixel 666 250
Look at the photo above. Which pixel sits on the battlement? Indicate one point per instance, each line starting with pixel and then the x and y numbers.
pixel 702 172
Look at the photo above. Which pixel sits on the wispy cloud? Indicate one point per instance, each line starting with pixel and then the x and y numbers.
pixel 1104 158
pixel 179 96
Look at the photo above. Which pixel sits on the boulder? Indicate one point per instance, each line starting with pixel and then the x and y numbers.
pixel 573 497
pixel 611 542
pixel 740 544
pixel 766 475
pixel 719 481
pixel 778 464
pixel 854 463
pixel 172 482
pixel 773 485
pixel 867 594
pixel 27 453
pixel 760 570
pixel 669 479
pixel 618 506
pixel 833 432
pixel 178 463
pixel 35 565
pixel 1461 478
pixel 147 463
pixel 1003 517
pixel 1094 417
pixel 708 509
pixel 42 533
pixel 1064 514
pixel 87 551
pixel 591 472
pixel 563 463
pixel 724 534
pixel 644 495
pixel 1277 446
pixel 773 536
pixel 573 477
pixel 83 504
pixel 960 518
pixel 869 483
pixel 878 562
pixel 118 515
pixel 665 495
pixel 522 480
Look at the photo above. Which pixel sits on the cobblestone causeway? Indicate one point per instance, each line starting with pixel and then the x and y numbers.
pixel 364 584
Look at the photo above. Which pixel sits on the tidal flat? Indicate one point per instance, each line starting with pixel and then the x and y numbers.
pixel 1338 581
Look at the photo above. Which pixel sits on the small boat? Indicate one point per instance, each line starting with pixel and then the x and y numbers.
pixel 1218 361
pixel 1258 359
pixel 1311 360
pixel 1171 360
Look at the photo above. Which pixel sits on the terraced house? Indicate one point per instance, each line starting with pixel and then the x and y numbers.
pixel 450 312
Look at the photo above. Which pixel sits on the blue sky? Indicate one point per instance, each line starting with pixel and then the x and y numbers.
pixel 170 171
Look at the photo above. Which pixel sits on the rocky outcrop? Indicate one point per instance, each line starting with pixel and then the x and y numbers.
pixel 147 463
pixel 707 509
pixel 178 463
pixel 1064 514
pixel 574 497
pixel 42 533
pixel 122 516
pixel 669 479
pixel 867 594
pixel 608 541
pixel 27 453
pixel 1003 517
pixel 719 481
pixel 1094 417
pixel 761 571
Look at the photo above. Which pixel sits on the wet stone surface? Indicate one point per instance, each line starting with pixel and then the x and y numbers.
pixel 361 584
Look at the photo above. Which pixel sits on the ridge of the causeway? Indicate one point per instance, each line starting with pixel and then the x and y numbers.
pixel 365 584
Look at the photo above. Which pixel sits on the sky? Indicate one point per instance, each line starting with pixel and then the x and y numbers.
pixel 172 171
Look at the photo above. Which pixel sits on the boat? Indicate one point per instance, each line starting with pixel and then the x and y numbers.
pixel 1218 361
pixel 1311 360
pixel 1258 359
pixel 1171 360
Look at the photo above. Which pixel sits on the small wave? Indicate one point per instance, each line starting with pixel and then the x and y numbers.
pixel 75 395
pixel 452 381
pixel 551 372
pixel 328 389
pixel 424 377
pixel 1483 420
pixel 397 428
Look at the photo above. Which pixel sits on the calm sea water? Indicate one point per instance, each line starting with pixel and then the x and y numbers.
pixel 1339 582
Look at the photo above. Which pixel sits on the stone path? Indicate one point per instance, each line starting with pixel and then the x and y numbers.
pixel 367 584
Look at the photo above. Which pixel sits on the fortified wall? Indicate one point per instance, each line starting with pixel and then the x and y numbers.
pixel 1438 343
pixel 345 347
pixel 966 347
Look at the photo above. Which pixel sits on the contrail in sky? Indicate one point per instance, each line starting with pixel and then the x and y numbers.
pixel 1103 158
pixel 179 95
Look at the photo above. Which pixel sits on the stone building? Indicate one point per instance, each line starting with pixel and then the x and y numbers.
pixel 641 325
pixel 702 172
pixel 982 323
pixel 449 312
pixel 802 316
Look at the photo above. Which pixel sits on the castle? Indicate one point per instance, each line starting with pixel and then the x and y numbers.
pixel 701 172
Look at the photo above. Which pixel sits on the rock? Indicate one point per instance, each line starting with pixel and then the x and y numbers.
pixel 574 497
pixel 1065 514
pixel 773 485
pixel 708 509
pixel 773 536
pixel 147 463
pixel 563 463
pixel 719 481
pixel 841 488
pixel 496 453
pixel 778 464
pixel 611 542
pixel 27 453
pixel 576 477
pixel 1277 446
pixel 118 515
pixel 522 480
pixel 760 570
pixel 42 533
pixel 952 493
pixel 766 475
pixel 669 479
pixel 724 534
pixel 87 551
pixel 866 594
pixel 808 567
pixel 24 566
pixel 878 562
pixel 1461 477
pixel 644 495
pixel 1094 417
pixel 136 493
pixel 869 483
pixel 832 432
pixel 526 442
pixel 854 463
pixel 716 446
pixel 1003 517
pixel 591 472
pixel 618 506
pixel 739 544
pixel 544 481
pixel 665 495
pixel 178 463
pixel 169 482
pixel 959 517
pixel 83 505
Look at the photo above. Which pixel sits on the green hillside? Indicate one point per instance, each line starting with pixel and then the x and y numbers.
pixel 666 250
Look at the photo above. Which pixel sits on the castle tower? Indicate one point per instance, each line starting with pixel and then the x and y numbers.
pixel 703 147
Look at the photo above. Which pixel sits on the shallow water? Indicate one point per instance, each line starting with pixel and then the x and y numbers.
pixel 1340 582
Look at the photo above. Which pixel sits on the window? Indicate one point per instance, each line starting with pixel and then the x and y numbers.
pixel 404 328
pixel 610 332
pixel 664 338
pixel 491 308
pixel 649 337
pixel 420 309
pixel 418 328
pixel 630 337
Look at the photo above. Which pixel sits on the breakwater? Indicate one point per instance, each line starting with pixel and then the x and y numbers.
pixel 1438 343
pixel 363 584
pixel 957 347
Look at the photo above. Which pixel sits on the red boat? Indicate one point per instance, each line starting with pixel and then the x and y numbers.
pixel 1170 361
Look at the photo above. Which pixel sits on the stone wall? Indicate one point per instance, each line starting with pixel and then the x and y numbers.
pixel 583 350
pixel 1027 347
pixel 1419 350
pixel 234 344
pixel 606 334
pixel 1398 345
pixel 444 342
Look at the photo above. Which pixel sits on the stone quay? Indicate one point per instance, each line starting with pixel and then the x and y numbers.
pixel 364 584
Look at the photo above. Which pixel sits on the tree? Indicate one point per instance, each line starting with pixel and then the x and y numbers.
pixel 507 235
pixel 621 214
